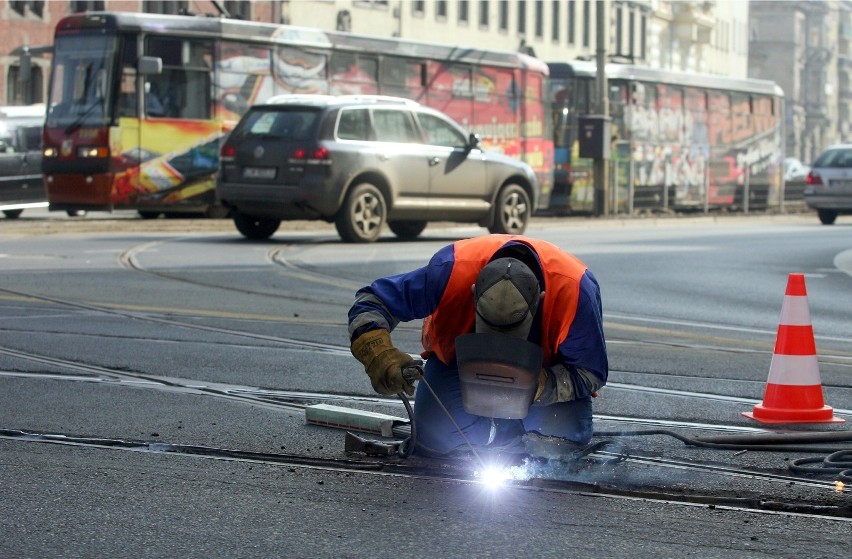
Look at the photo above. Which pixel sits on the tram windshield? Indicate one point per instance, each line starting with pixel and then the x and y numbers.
pixel 81 86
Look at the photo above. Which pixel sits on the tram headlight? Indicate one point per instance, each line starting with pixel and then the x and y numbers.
pixel 92 152
pixel 50 151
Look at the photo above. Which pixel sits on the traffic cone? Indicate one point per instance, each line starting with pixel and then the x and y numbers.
pixel 794 389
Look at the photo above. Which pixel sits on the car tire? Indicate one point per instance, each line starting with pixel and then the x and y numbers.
pixel 512 211
pixel 13 214
pixel 827 217
pixel 363 214
pixel 76 213
pixel 148 215
pixel 256 228
pixel 407 230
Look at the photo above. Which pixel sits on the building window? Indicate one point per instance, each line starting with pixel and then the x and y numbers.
pixel 643 28
pixel 554 18
pixel 86 6
pixel 239 9
pixel 587 23
pixel 504 15
pixel 21 7
pixel 522 17
pixel 631 34
pixel 441 10
pixel 539 19
pixel 164 7
pixel 418 7
pixel 463 12
pixel 571 16
pixel 619 30
pixel 483 14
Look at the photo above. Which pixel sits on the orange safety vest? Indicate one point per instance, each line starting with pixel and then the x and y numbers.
pixel 455 313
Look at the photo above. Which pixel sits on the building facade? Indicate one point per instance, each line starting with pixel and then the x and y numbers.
pixel 805 48
pixel 702 36
pixel 802 46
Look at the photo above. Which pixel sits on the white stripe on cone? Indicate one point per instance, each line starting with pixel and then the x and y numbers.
pixel 795 311
pixel 798 370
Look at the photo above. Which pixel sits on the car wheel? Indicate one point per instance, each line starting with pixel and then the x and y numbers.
pixel 148 215
pixel 512 212
pixel 76 213
pixel 362 216
pixel 407 230
pixel 12 214
pixel 827 217
pixel 256 228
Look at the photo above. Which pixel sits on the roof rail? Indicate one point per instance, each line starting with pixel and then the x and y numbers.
pixel 378 99
pixel 323 99
pixel 298 98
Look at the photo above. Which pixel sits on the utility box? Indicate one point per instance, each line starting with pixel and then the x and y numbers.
pixel 594 136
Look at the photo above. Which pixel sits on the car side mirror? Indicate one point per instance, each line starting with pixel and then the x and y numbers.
pixel 4 147
pixel 473 141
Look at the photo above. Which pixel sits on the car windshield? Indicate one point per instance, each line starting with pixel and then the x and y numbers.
pixel 835 158
pixel 80 83
pixel 289 124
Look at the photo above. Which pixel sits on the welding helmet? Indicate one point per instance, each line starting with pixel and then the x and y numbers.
pixel 498 367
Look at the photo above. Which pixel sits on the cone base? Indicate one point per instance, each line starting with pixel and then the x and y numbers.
pixel 778 416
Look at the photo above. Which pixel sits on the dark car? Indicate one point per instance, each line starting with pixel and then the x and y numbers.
pixel 21 185
pixel 363 161
pixel 828 187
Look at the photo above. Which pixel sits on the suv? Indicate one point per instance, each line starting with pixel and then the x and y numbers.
pixel 21 186
pixel 363 161
pixel 828 187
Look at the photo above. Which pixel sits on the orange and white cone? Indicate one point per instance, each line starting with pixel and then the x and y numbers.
pixel 794 389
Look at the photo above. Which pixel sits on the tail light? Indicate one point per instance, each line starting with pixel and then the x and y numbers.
pixel 310 155
pixel 813 179
pixel 227 152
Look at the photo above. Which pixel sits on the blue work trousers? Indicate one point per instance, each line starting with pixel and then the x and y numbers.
pixel 436 434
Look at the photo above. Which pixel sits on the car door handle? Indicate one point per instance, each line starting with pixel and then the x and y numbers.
pixel 434 161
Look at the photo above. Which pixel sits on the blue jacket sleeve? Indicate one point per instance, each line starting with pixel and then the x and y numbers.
pixel 409 296
pixel 585 346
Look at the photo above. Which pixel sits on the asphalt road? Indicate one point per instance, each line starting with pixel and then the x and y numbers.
pixel 147 370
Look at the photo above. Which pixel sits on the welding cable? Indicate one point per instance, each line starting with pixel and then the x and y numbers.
pixel 839 463
pixel 778 442
pixel 407 445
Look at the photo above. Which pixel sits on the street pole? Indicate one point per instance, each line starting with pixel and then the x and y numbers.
pixel 601 167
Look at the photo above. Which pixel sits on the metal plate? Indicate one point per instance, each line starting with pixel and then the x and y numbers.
pixel 259 172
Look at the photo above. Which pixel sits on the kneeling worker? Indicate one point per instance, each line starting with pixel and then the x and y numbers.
pixel 503 285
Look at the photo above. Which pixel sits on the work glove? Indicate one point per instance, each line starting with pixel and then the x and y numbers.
pixel 547 392
pixel 383 362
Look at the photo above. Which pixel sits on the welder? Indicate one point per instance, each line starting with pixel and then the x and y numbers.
pixel 503 289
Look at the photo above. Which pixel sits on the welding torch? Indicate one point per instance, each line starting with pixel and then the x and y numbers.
pixel 411 373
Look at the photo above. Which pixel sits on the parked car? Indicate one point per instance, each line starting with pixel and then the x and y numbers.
pixel 363 161
pixel 829 184
pixel 795 170
pixel 21 185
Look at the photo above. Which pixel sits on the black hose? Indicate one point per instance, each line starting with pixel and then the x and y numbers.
pixel 406 447
pixel 838 462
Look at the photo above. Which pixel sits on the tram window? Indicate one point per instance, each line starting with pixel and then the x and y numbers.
pixel 184 87
pixel 353 73
pixel 402 77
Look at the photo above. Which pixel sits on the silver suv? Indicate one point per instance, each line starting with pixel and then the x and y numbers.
pixel 363 161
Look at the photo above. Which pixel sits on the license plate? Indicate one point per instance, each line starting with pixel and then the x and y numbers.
pixel 259 172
